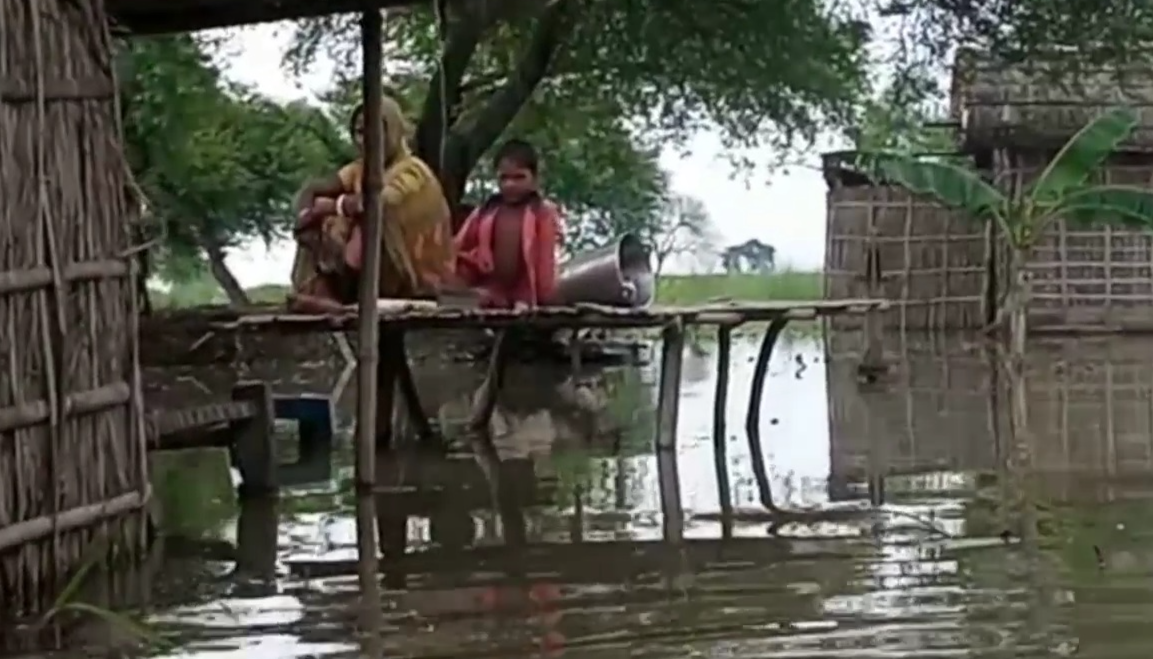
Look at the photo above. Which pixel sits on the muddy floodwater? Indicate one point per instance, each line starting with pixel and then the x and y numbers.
pixel 902 534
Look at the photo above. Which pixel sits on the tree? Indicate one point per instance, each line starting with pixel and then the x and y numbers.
pixel 218 164
pixel 1062 191
pixel 607 181
pixel 762 71
pixel 685 227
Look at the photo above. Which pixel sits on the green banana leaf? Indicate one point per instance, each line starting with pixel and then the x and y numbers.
pixel 1082 155
pixel 949 184
pixel 1109 204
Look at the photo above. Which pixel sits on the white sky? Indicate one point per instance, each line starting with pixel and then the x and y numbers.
pixel 786 210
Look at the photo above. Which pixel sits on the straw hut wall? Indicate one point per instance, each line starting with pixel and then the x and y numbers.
pixel 1091 406
pixel 1031 106
pixel 933 263
pixel 73 472
pixel 934 413
pixel 1098 278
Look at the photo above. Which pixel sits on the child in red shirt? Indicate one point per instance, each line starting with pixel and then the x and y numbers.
pixel 507 247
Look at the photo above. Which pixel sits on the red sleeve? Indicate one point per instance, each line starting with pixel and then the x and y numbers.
pixel 548 235
pixel 465 243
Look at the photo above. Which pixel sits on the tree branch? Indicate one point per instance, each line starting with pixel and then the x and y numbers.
pixel 444 95
pixel 470 139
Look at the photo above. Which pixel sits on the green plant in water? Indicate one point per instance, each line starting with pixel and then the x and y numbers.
pixel 1063 190
pixel 67 602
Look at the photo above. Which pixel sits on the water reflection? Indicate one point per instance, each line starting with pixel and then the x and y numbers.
pixel 906 537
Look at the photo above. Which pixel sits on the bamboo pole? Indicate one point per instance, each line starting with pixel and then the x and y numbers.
pixel 368 331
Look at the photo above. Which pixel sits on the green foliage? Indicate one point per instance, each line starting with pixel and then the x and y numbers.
pixel 761 70
pixel 217 163
pixel 1063 189
pixel 898 118
pixel 599 86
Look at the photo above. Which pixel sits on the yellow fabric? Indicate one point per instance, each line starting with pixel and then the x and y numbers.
pixel 416 231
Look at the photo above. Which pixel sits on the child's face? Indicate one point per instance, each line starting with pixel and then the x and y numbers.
pixel 516 182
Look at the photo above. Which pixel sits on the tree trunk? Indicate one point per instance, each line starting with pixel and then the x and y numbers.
pixel 237 297
pixel 1019 453
pixel 472 135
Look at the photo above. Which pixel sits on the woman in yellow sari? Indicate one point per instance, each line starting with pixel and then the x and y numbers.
pixel 416 231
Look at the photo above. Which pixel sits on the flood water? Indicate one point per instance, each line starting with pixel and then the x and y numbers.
pixel 902 535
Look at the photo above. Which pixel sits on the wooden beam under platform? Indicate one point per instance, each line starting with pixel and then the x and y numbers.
pixel 607 559
pixel 415 314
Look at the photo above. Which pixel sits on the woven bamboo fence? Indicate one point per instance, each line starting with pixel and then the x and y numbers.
pixel 73 471
pixel 1100 278
pixel 931 262
pixel 1027 106
pixel 934 413
pixel 1091 406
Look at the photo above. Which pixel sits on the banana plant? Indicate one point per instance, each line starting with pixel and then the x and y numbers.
pixel 1063 190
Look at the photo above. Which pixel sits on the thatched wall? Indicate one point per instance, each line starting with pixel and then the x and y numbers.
pixel 931 261
pixel 933 412
pixel 1091 405
pixel 1090 409
pixel 1100 278
pixel 72 464
pixel 1026 106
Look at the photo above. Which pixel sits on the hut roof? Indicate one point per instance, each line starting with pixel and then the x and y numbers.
pixel 144 17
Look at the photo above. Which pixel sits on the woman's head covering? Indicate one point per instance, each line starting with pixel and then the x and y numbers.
pixel 396 128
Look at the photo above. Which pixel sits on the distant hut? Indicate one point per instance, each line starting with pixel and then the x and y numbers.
pixel 1018 117
pixel 934 263
pixel 73 473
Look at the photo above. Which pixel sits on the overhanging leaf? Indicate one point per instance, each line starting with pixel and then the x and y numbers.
pixel 1082 155
pixel 949 184
pixel 1109 204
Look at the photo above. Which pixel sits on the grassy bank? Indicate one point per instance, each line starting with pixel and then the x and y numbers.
pixel 671 289
pixel 791 285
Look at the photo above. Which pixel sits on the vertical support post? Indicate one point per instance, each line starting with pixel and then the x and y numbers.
pixel 720 444
pixel 368 333
pixel 255 446
pixel 668 411
pixel 256 537
pixel 753 417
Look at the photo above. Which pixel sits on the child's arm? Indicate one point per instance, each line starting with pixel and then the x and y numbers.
pixel 548 239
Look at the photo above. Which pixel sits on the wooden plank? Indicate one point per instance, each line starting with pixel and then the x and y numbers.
pixel 426 315
pixel 21 533
pixel 205 416
pixel 16 281
pixel 628 556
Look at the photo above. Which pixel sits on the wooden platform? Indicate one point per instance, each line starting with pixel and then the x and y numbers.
pixel 415 314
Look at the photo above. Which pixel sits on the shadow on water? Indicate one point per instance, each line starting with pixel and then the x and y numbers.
pixel 906 537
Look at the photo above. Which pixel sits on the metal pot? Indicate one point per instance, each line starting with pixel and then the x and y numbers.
pixel 618 274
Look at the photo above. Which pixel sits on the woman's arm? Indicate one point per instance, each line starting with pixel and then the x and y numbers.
pixel 465 243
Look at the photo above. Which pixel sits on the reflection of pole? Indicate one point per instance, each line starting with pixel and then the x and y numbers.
pixel 577 521
pixel 256 536
pixel 720 442
pixel 668 410
pixel 753 417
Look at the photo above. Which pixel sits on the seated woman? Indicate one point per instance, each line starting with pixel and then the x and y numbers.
pixel 507 247
pixel 416 229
